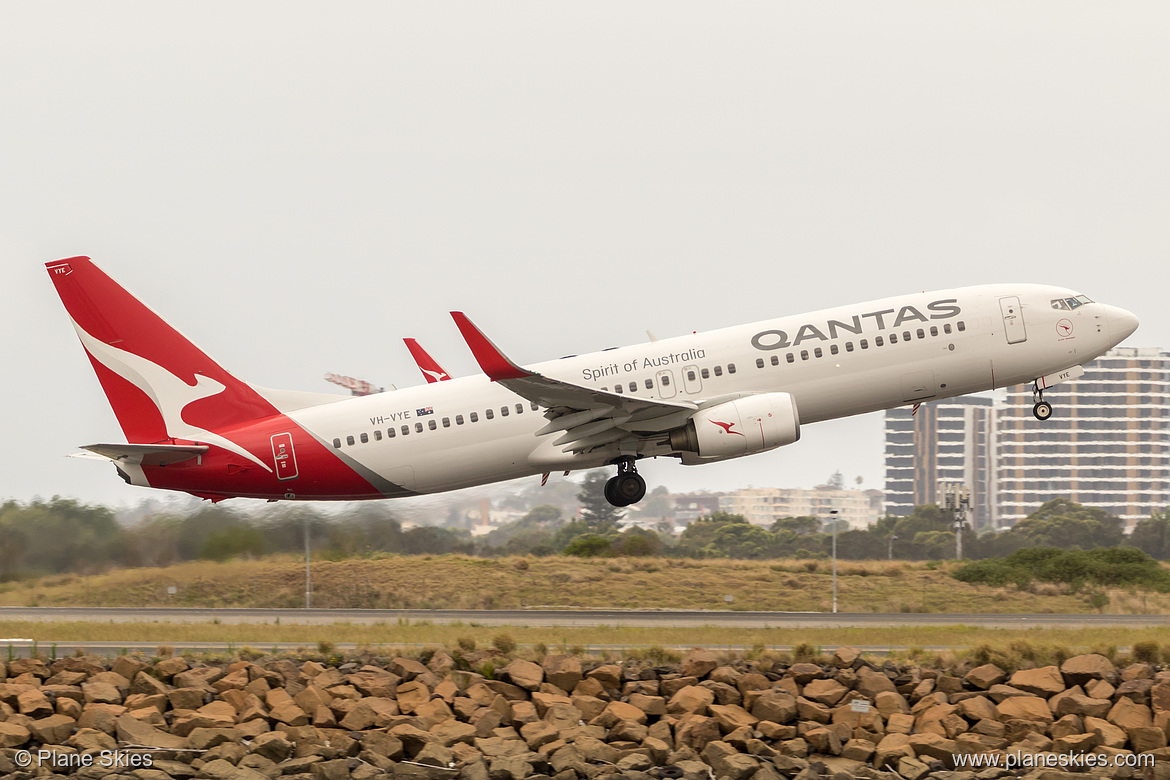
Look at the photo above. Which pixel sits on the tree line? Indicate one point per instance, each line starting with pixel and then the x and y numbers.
pixel 63 535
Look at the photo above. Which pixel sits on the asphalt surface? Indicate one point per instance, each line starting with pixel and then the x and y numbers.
pixel 570 618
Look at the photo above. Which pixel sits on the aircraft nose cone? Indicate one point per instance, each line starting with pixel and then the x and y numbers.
pixel 1121 323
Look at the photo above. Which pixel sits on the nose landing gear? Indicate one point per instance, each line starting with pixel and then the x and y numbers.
pixel 627 487
pixel 1041 409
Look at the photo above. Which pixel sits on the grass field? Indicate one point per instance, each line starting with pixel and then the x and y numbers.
pixel 462 582
pixel 1010 648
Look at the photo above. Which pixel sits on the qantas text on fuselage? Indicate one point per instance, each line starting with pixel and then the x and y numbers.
pixel 190 425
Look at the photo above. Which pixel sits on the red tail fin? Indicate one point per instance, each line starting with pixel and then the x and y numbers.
pixel 430 368
pixel 160 385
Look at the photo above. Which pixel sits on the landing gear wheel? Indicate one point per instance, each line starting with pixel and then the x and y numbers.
pixel 611 491
pixel 627 487
pixel 630 489
pixel 1041 410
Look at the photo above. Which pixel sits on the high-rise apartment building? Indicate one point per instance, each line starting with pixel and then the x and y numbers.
pixel 942 441
pixel 1106 445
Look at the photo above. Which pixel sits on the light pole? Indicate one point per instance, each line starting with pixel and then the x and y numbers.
pixel 308 581
pixel 893 539
pixel 833 520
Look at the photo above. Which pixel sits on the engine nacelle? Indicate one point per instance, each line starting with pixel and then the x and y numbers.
pixel 744 426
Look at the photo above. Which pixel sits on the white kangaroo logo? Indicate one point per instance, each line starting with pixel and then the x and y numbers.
pixel 170 393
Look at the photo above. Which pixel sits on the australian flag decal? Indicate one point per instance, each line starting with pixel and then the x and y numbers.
pixel 424 411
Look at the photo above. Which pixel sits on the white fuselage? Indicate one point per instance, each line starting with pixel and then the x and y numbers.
pixel 835 363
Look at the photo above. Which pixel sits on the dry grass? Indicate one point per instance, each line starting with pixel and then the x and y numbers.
pixel 463 582
pixel 935 646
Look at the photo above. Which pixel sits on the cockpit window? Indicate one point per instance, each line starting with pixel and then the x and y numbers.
pixel 1070 303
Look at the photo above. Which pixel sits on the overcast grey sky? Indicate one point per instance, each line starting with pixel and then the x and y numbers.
pixel 296 186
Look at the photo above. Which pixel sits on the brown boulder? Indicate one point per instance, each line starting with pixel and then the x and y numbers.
pixel 827 692
pixel 985 676
pixel 1079 669
pixel 526 674
pixel 13 735
pixel 775 706
pixel 53 730
pixel 1045 681
pixel 690 700
pixel 563 671
pixel 699 662
pixel 1031 708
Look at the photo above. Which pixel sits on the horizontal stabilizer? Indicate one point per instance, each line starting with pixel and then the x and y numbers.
pixel 148 454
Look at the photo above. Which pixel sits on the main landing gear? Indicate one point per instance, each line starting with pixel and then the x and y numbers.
pixel 1041 410
pixel 627 487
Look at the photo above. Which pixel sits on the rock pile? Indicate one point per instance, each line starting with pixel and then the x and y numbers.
pixel 567 718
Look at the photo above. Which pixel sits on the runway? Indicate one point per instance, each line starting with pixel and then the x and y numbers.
pixel 574 618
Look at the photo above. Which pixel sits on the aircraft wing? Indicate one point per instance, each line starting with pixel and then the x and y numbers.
pixel 148 454
pixel 588 417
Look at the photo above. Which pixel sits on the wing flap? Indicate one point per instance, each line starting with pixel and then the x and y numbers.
pixel 589 417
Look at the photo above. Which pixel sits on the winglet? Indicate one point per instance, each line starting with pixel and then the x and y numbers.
pixel 493 362
pixel 429 367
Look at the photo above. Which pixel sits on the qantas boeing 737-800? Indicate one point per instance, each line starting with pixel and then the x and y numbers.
pixel 704 397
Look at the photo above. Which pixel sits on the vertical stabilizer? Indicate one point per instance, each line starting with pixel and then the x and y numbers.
pixel 160 385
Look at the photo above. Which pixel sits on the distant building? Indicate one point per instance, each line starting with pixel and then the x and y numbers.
pixel 1106 445
pixel 689 507
pixel 763 506
pixel 944 441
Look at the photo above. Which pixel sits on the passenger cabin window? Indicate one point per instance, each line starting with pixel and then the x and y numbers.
pixel 666 380
pixel 893 339
pixel 791 358
pixel 337 443
pixel 731 368
pixel 649 384
pixel 946 327
pixel 848 346
pixel 617 389
pixel 834 349
pixel 817 352
pixel 905 335
pixel 535 406
pixel 349 440
pixel 365 437
pixel 760 362
pixel 705 373
pixel 474 416
pixel 489 414
pixel 390 433
pixel 432 425
pixel 378 435
pixel 418 427
pixel 877 341
pixel 804 354
pixel 864 343
pixel 934 330
pixel 519 408
pixel 633 387
pixel 921 333
pixel 446 422
pixel 405 430
pixel 718 370
pixel 962 326
pixel 503 411
pixel 690 376
pixel 775 360
pixel 458 419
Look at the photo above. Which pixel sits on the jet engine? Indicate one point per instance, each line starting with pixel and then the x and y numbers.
pixel 744 426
